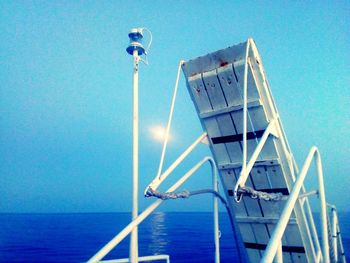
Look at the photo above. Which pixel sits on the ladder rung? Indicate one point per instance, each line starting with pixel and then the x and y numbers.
pixel 261 220
pixel 237 137
pixel 250 104
pixel 269 162
pixel 289 249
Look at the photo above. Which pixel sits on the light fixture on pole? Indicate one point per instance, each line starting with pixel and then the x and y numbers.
pixel 135 49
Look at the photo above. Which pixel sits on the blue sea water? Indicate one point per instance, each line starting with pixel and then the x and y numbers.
pixel 186 237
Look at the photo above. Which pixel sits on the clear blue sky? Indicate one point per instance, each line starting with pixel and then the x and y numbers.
pixel 66 91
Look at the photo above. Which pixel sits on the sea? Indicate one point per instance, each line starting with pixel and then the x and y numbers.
pixel 184 236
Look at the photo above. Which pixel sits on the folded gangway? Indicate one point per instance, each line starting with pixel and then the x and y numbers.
pixel 234 104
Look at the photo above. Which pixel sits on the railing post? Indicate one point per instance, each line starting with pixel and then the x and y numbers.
pixel 245 115
pixel 334 234
pixel 289 206
pixel 216 213
pixel 322 196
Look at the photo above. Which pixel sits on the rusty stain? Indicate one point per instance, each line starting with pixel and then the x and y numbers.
pixel 223 63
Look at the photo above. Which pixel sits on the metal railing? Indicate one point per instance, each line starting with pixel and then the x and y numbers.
pixel 274 247
pixel 337 242
pixel 141 217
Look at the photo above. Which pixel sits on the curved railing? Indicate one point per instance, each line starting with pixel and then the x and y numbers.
pixel 274 247
pixel 141 217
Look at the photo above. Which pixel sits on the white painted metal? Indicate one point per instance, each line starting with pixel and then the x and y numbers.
pixel 166 137
pixel 159 179
pixel 140 259
pixel 286 173
pixel 135 160
pixel 279 255
pixel 139 219
pixel 246 170
pixel 276 237
pixel 341 248
pixel 334 234
pixel 337 242
pixel 216 214
pixel 245 91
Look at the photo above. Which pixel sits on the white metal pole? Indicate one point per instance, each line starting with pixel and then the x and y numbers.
pixel 245 110
pixel 216 214
pixel 322 196
pixel 334 234
pixel 135 160
pixel 166 137
pixel 245 113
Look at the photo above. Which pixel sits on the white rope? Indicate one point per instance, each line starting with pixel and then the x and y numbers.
pixel 168 195
pixel 248 191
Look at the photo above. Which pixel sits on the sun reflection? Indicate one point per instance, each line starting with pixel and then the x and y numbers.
pixel 158 133
pixel 159 234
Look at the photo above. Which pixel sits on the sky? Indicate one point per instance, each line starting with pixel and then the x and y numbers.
pixel 66 94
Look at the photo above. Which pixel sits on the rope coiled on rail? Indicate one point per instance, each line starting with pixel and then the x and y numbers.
pixel 254 194
pixel 167 195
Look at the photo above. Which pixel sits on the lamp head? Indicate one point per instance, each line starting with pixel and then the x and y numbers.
pixel 135 36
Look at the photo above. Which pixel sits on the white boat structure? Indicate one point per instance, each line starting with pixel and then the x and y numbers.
pixel 262 184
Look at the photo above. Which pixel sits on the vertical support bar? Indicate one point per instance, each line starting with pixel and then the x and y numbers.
pixel 166 138
pixel 245 110
pixel 334 234
pixel 341 247
pixel 245 113
pixel 322 195
pixel 216 214
pixel 135 161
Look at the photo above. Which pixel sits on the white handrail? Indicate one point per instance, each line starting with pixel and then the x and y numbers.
pixel 166 137
pixel 336 235
pixel 245 113
pixel 276 237
pixel 119 237
pixel 159 179
pixel 245 172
